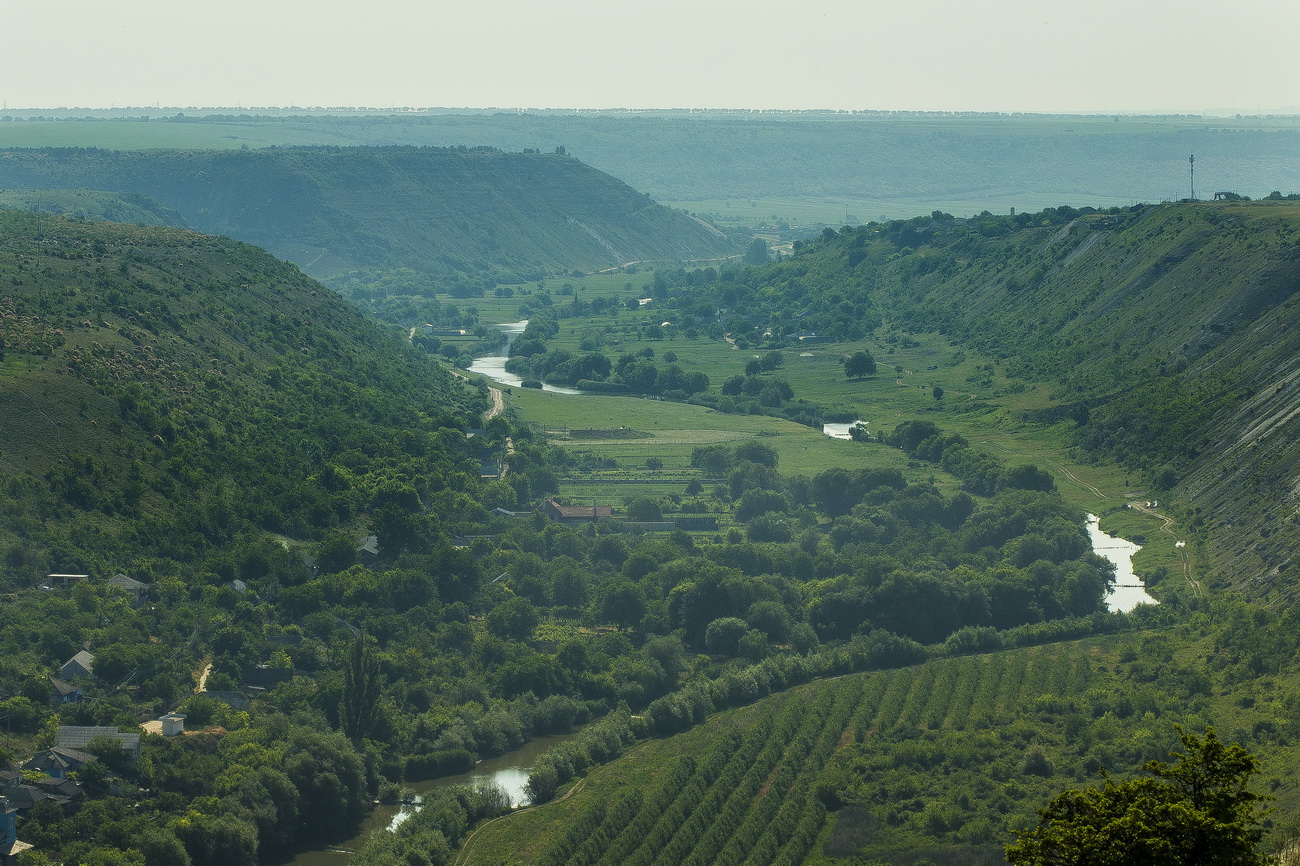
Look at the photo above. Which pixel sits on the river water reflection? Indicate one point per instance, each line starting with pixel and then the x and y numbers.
pixel 841 431
pixel 1128 591
pixel 494 366
pixel 508 772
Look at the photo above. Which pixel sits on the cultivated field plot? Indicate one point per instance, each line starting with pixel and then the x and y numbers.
pixel 677 428
pixel 743 788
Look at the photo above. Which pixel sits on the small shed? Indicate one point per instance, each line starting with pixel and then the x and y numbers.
pixel 173 724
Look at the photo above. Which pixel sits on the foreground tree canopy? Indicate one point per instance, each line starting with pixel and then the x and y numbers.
pixel 1196 811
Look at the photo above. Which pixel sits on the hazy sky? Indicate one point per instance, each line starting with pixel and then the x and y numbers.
pixel 994 55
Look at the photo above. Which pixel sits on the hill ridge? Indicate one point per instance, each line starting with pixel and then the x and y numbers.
pixel 452 214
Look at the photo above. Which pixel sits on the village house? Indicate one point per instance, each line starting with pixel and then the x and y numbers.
pixel 134 588
pixel 63 581
pixel 10 846
pixel 80 666
pixel 58 762
pixel 78 736
pixel 575 513
pixel 63 693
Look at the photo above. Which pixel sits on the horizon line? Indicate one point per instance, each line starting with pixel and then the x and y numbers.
pixel 1220 113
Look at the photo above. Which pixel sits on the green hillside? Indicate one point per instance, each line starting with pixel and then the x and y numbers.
pixel 1156 338
pixel 150 378
pixel 84 204
pixel 393 219
pixel 1167 331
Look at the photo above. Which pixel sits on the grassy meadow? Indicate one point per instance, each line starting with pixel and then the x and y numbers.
pixel 979 402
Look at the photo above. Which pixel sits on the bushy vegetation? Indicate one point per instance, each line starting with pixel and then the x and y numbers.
pixel 943 761
pixel 201 417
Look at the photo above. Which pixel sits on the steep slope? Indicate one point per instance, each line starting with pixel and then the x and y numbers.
pixel 1169 331
pixel 165 393
pixel 448 214
pixel 1176 330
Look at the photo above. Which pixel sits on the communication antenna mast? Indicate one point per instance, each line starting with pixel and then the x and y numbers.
pixel 1191 162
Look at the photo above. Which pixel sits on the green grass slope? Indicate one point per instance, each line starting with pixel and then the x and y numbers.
pixel 443 214
pixel 937 763
pixel 1164 334
pixel 165 393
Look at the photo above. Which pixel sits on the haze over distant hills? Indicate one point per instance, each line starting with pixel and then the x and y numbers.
pixel 749 165
pixel 447 215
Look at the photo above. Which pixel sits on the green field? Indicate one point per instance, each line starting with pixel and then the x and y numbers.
pixel 979 402
pixel 677 428
pixel 934 761
pixel 769 212
pixel 137 135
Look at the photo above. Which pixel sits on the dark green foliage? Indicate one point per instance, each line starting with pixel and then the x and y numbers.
pixel 361 690
pixel 723 635
pixel 1197 810
pixel 859 365
pixel 515 618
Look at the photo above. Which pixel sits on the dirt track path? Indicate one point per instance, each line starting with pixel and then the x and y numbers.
pixel 498 404
pixel 1166 526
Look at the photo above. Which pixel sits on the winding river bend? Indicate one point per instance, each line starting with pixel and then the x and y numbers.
pixel 494 366
pixel 1128 591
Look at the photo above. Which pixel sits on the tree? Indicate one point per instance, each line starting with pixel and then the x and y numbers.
pixel 1196 811
pixel 723 635
pixel 859 365
pixel 757 253
pixel 624 603
pixel 338 552
pixel 361 687
pixel 514 618
pixel 645 509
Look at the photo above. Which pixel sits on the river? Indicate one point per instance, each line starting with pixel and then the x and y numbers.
pixel 1128 591
pixel 841 431
pixel 508 772
pixel 494 366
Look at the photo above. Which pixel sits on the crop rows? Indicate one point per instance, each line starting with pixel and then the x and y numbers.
pixel 747 799
pixel 973 691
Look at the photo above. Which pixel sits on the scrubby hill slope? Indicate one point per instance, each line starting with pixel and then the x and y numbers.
pixel 447 214
pixel 93 204
pixel 165 393
pixel 1169 330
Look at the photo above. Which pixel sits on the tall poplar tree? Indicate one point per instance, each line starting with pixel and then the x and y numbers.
pixel 361 687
